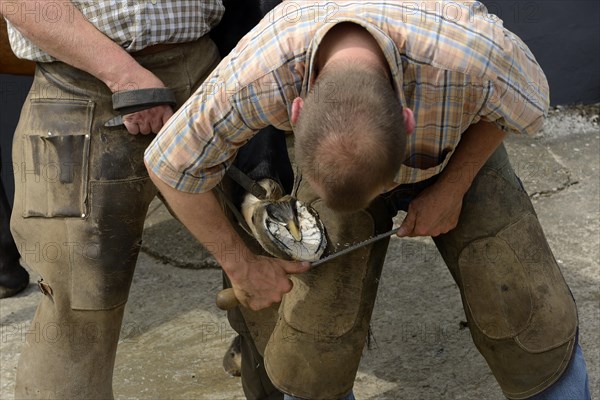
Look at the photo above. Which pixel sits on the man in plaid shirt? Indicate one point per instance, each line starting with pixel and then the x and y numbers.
pixel 394 106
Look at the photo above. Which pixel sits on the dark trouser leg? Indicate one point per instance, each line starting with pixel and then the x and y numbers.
pixel 264 156
pixel 521 314
pixel 13 277
pixel 253 365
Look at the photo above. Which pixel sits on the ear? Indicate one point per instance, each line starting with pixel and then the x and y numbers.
pixel 409 120
pixel 296 109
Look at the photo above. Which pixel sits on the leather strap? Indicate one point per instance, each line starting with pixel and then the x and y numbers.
pixel 131 101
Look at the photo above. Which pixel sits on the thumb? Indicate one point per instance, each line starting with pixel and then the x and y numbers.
pixel 408 225
pixel 296 267
pixel 167 115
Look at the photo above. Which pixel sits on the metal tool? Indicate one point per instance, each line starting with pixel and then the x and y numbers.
pixel 116 121
pixel 226 299
pixel 356 246
pixel 249 184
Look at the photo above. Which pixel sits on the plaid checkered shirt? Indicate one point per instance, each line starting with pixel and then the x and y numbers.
pixel 452 63
pixel 133 24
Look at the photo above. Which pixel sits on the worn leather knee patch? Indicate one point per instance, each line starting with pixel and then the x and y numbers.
pixel 54 170
pixel 523 317
pixel 496 288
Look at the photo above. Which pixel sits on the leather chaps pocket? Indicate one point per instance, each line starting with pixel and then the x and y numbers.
pixel 55 170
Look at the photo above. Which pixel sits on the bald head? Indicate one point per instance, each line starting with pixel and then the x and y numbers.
pixel 350 135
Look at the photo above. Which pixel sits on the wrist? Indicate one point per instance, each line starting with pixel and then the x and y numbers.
pixel 117 72
pixel 457 181
pixel 235 261
pixel 129 75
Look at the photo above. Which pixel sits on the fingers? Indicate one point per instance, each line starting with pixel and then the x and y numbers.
pixel 155 125
pixel 136 124
pixel 267 299
pixel 132 127
pixel 408 225
pixel 296 267
pixel 165 117
pixel 287 287
pixel 147 121
pixel 265 294
pixel 417 224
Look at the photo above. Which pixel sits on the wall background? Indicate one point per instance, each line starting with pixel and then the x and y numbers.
pixel 564 35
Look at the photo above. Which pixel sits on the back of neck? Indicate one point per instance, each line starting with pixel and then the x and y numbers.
pixel 350 42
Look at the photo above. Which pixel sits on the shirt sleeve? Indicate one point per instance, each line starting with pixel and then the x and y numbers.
pixel 194 149
pixel 518 99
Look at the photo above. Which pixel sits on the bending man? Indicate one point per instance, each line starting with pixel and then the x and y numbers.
pixel 392 110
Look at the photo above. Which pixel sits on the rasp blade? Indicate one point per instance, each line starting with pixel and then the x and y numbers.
pixel 354 247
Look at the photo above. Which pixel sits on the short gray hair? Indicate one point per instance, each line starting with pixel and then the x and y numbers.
pixel 350 136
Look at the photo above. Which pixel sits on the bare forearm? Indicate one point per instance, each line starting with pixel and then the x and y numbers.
pixel 436 210
pixel 202 215
pixel 476 146
pixel 71 38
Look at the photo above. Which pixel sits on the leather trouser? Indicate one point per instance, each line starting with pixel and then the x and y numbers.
pixel 519 309
pixel 82 193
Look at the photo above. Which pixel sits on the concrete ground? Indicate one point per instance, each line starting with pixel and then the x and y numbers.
pixel 174 337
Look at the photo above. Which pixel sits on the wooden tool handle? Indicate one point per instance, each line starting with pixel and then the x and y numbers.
pixel 226 299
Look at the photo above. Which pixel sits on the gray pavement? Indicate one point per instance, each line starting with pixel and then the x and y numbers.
pixel 174 337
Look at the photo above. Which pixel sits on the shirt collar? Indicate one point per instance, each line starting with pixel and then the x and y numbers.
pixel 389 48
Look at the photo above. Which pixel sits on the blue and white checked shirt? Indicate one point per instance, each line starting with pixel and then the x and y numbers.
pixel 133 24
